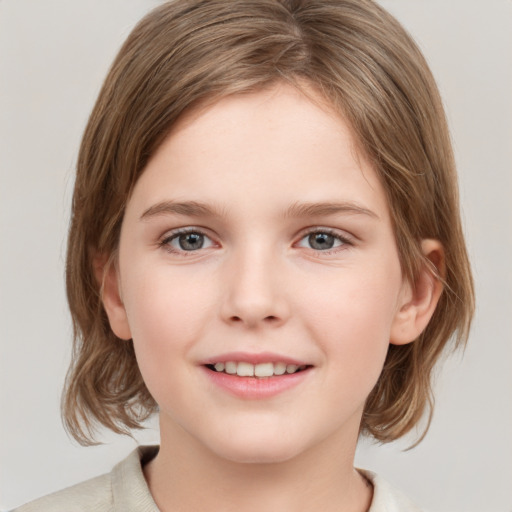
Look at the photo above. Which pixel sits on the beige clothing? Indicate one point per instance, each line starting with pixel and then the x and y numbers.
pixel 124 489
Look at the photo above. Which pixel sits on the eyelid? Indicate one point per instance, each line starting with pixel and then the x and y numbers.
pixel 175 233
pixel 346 239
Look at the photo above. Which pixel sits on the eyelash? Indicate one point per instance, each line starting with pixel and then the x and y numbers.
pixel 345 240
pixel 165 242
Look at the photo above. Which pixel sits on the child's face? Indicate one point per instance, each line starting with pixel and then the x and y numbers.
pixel 264 280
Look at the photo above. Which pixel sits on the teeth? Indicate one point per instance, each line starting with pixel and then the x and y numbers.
pixel 279 369
pixel 243 369
pixel 230 367
pixel 264 370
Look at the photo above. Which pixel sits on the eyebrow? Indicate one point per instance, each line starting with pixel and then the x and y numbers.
pixel 296 210
pixel 188 208
pixel 329 208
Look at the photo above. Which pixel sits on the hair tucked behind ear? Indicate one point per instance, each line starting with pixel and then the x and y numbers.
pixel 190 51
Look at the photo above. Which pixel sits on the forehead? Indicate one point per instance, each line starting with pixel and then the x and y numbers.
pixel 275 146
pixel 292 111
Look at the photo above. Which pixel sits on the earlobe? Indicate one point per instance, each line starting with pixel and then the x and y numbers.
pixel 107 275
pixel 419 301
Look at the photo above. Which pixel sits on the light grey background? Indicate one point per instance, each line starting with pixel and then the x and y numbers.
pixel 53 57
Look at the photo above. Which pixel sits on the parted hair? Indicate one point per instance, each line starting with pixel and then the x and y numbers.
pixel 363 62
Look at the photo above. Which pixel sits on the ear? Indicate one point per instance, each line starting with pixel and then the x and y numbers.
pixel 419 300
pixel 107 275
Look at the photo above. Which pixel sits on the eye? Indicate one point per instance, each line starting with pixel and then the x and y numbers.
pixel 186 240
pixel 324 240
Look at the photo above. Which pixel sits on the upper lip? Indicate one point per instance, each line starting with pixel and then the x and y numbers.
pixel 254 358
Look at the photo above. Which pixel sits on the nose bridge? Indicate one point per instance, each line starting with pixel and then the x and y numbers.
pixel 254 286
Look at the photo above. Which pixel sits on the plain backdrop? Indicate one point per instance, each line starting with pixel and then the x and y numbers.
pixel 54 55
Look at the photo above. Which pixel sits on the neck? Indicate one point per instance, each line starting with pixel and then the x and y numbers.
pixel 187 477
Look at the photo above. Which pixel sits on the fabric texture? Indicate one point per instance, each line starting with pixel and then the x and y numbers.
pixel 124 489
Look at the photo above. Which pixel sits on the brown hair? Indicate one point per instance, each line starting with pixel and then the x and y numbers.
pixel 186 51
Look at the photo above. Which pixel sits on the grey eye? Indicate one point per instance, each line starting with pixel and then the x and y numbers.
pixel 321 241
pixel 188 241
pixel 191 241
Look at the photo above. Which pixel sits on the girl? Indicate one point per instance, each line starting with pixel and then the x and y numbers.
pixel 265 249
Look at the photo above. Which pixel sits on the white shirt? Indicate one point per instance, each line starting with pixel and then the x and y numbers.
pixel 124 489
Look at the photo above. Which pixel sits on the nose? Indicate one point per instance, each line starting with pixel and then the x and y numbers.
pixel 255 294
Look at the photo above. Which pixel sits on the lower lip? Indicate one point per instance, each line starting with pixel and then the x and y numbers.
pixel 256 388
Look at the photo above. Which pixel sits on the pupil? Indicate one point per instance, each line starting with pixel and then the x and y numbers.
pixel 321 241
pixel 191 241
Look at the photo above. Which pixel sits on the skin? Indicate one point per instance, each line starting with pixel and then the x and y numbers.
pixel 260 283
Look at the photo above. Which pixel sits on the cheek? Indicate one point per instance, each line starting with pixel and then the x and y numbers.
pixel 162 303
pixel 350 317
pixel 165 314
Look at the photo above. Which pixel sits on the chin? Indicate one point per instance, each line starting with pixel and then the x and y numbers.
pixel 257 449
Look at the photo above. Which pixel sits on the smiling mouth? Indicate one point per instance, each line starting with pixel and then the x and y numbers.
pixel 261 370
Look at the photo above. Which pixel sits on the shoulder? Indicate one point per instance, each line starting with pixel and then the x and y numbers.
pixel 121 490
pixel 385 497
pixel 93 495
